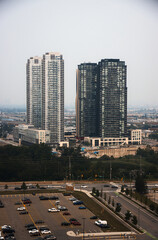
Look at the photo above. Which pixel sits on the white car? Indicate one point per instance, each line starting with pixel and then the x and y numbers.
pixel 53 210
pixel 33 231
pixel 84 186
pixel 5 226
pixel 61 208
pixel 1 238
pixel 101 222
pixel 45 231
pixel 72 199
pixel 21 208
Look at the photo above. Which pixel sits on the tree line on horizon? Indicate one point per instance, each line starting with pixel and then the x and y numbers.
pixel 36 162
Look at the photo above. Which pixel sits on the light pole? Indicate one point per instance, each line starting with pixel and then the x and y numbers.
pixel 83 227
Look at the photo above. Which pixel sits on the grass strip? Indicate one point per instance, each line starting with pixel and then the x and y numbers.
pixel 101 213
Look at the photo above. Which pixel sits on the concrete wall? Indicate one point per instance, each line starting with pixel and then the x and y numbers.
pixel 118 152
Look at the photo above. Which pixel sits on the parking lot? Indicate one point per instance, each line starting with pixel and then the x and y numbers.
pixel 38 210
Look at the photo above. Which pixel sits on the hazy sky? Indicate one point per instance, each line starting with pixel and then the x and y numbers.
pixel 83 31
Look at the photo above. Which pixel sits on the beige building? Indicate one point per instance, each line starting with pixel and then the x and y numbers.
pixel 135 139
pixel 29 135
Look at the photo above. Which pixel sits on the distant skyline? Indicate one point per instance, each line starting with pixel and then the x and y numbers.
pixel 82 31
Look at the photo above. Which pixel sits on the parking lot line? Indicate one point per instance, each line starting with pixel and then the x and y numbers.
pixel 60 213
pixel 31 217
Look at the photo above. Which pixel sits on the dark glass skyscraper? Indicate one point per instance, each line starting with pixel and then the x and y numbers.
pixel 101 100
pixel 86 104
pixel 112 102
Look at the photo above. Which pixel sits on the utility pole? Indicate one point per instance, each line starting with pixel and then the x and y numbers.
pixel 69 167
pixel 83 227
pixel 110 170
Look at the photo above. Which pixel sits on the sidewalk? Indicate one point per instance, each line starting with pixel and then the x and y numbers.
pixel 100 234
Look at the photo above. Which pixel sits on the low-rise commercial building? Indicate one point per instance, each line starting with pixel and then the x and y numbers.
pixel 134 138
pixel 27 134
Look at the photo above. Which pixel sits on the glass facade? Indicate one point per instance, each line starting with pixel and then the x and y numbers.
pixel 101 99
pixel 86 99
pixel 112 102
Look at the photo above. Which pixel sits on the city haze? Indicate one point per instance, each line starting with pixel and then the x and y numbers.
pixel 82 31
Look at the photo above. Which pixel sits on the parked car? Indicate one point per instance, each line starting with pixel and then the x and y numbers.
pixel 43 198
pixel 23 212
pixel 21 208
pixel 8 230
pixel 17 188
pixel 66 194
pixel 5 226
pixel 106 185
pixel 43 228
pixel 76 223
pixel 72 220
pixel 53 210
pixel 34 232
pixel 84 186
pixel 9 236
pixel 82 207
pixel 26 201
pixel 65 224
pixel 114 186
pixel 31 228
pixel 78 202
pixel 101 223
pixel 39 221
pixel 53 198
pixel 66 213
pixel 1 204
pixel 57 202
pixel 61 208
pixel 72 199
pixel 29 225
pixel 45 231
pixel 50 237
pixel 93 217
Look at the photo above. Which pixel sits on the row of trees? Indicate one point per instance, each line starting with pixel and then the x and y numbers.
pixel 114 206
pixel 36 162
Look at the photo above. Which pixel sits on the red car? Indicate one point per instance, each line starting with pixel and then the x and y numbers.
pixel 66 213
pixel 75 223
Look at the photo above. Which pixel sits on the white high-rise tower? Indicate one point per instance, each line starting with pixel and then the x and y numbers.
pixel 51 94
pixel 34 91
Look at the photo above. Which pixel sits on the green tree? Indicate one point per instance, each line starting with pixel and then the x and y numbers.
pixel 23 186
pixel 93 190
pixel 97 193
pixel 37 186
pixel 127 191
pixel 127 215
pixel 6 186
pixel 109 201
pixel 118 208
pixel 113 203
pixel 134 220
pixel 122 188
pixel 140 184
pixel 152 207
pixel 105 196
pixel 101 193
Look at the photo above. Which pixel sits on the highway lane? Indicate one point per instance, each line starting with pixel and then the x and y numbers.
pixel 146 220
